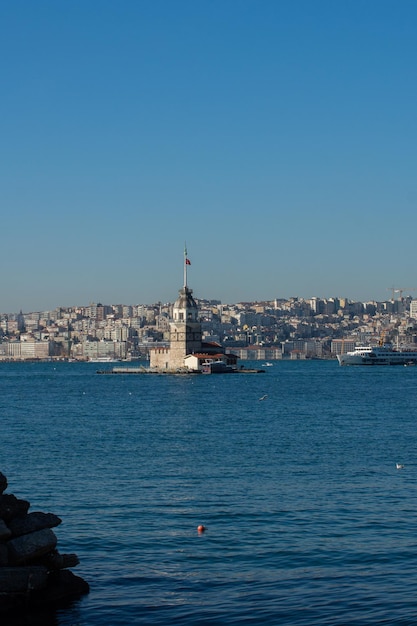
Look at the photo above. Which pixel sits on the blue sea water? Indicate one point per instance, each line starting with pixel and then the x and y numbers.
pixel 308 520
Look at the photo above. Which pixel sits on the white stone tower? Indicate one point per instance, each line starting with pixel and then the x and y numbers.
pixel 185 330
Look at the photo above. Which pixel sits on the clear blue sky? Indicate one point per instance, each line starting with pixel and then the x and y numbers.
pixel 278 138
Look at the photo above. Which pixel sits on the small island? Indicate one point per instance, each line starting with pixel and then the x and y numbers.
pixel 187 353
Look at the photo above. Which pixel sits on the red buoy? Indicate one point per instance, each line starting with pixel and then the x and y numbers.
pixel 201 528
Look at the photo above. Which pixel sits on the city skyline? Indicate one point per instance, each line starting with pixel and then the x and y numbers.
pixel 398 297
pixel 278 139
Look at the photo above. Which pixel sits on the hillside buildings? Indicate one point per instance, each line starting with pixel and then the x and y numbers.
pixel 294 328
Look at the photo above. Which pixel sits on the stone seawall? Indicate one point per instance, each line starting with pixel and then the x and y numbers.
pixel 32 571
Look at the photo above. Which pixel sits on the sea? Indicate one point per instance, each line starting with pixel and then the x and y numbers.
pixel 292 472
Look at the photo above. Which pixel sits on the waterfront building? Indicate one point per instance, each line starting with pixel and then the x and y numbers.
pixel 21 350
pixel 185 337
pixel 184 334
pixel 342 346
pixel 92 350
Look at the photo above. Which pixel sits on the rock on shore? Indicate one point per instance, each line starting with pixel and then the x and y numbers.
pixel 32 571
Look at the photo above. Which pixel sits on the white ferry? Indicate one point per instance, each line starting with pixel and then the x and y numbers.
pixel 378 355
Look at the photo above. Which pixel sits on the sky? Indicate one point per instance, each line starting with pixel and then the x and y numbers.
pixel 277 138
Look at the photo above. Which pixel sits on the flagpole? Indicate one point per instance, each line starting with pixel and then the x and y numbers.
pixel 185 265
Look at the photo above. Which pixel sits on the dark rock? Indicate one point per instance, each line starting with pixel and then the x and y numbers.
pixel 31 522
pixel 33 575
pixel 62 585
pixel 5 532
pixel 11 507
pixel 55 590
pixel 3 483
pixel 69 560
pixel 54 560
pixel 12 603
pixel 28 547
pixel 4 555
pixel 16 579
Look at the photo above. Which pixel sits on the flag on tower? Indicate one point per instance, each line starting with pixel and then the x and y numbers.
pixel 187 260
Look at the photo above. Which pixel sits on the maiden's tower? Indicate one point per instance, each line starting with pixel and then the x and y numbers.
pixel 184 331
pixel 186 351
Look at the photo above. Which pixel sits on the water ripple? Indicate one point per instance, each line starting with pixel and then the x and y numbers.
pixel 308 520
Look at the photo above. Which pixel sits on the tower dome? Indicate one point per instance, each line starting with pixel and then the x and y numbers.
pixel 185 307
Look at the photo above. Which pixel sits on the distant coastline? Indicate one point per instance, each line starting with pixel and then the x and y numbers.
pixel 295 328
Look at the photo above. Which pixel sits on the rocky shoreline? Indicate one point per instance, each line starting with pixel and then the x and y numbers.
pixel 32 571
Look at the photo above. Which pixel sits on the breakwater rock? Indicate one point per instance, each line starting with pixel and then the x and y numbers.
pixel 32 571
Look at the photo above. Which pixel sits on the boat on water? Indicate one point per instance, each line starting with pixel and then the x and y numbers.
pixel 217 367
pixel 267 364
pixel 378 355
